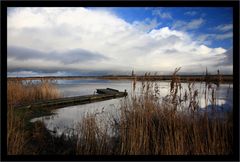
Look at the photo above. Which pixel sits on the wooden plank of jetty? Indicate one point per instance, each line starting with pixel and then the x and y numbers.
pixel 102 94
pixel 107 91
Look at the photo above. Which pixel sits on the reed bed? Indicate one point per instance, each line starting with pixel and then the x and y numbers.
pixel 15 133
pixel 148 129
pixel 150 126
pixel 147 124
pixel 91 139
pixel 24 92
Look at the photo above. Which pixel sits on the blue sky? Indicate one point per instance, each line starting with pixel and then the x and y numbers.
pixel 212 17
pixel 89 41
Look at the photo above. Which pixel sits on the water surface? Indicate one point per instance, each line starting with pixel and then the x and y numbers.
pixel 66 119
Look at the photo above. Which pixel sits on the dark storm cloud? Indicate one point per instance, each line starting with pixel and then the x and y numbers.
pixel 67 57
pixel 59 72
pixel 78 55
pixel 20 53
pixel 50 62
pixel 37 69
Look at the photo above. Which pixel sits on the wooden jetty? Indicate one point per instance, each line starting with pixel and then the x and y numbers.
pixel 102 94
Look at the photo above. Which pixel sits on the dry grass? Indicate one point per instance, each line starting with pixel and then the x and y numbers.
pixel 91 139
pixel 15 133
pixel 149 127
pixel 146 129
pixel 19 92
pixel 146 126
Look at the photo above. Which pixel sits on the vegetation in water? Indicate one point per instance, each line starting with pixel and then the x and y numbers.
pixel 147 124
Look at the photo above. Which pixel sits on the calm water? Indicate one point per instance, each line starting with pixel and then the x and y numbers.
pixel 65 119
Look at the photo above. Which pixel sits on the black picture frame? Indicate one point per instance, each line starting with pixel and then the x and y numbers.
pixel 5 4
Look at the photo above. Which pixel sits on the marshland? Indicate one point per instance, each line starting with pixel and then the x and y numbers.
pixel 158 117
pixel 165 74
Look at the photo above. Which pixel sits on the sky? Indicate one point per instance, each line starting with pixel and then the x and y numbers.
pixel 48 41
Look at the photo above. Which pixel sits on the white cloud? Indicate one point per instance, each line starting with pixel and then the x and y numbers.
pixel 224 36
pixel 183 25
pixel 161 14
pixel 205 38
pixel 224 27
pixel 102 34
pixel 190 13
pixel 208 38
pixel 146 25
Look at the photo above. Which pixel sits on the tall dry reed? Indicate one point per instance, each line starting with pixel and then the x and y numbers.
pixel 91 139
pixel 15 133
pixel 20 91
pixel 148 129
pixel 149 126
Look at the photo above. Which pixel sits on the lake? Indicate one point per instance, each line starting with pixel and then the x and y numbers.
pixel 65 119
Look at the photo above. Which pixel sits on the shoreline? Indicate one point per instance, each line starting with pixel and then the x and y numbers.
pixel 183 78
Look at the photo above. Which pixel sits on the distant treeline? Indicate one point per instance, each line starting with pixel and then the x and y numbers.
pixel 184 78
pixel 208 78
